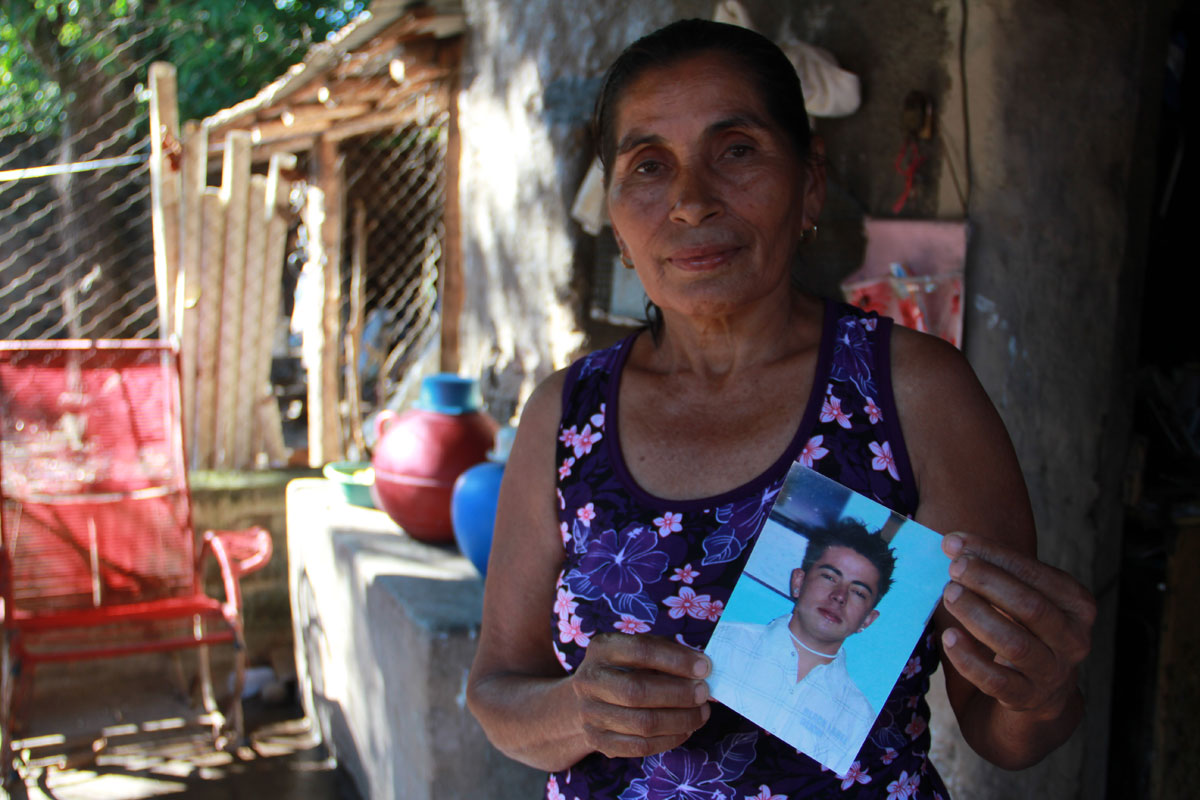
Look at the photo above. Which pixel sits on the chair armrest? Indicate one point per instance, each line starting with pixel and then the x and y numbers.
pixel 237 553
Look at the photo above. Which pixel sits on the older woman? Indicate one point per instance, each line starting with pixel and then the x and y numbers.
pixel 642 473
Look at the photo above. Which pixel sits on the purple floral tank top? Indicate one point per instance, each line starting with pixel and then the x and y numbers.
pixel 635 563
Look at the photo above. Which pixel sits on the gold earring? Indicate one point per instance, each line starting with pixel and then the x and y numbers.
pixel 625 261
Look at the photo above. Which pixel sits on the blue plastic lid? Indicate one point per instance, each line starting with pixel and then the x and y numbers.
pixel 447 393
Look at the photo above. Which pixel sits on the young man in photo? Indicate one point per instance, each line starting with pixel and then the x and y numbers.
pixel 790 674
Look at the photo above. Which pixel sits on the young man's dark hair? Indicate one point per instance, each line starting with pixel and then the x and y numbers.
pixel 851 533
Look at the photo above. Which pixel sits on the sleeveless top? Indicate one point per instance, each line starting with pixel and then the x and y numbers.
pixel 636 563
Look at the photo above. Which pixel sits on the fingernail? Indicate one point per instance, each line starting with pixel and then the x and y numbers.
pixel 705 713
pixel 950 638
pixel 953 592
pixel 957 566
pixel 701 692
pixel 952 544
pixel 701 668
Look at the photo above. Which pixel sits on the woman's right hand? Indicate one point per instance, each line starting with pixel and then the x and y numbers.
pixel 639 695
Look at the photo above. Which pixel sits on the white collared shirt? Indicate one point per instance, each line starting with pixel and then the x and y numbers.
pixel 825 715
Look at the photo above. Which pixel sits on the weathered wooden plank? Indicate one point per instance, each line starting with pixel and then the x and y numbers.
pixel 165 164
pixel 235 198
pixel 277 210
pixel 250 377
pixel 332 180
pixel 188 285
pixel 452 286
pixel 208 328
pixel 354 328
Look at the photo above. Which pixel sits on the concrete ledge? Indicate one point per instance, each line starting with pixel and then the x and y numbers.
pixel 385 629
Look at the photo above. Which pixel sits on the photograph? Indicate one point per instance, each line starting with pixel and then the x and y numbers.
pixel 835 595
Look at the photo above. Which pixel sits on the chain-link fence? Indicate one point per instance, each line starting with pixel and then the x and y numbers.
pixel 397 179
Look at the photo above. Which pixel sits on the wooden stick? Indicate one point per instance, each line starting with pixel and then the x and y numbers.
pixel 235 199
pixel 354 328
pixel 165 154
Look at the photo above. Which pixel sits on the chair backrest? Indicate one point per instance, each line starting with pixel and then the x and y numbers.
pixel 96 510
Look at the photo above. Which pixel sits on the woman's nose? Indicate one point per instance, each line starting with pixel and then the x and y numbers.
pixel 695 196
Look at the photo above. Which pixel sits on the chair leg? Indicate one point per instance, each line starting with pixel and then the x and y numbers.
pixel 9 675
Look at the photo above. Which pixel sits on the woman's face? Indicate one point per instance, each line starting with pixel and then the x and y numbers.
pixel 708 197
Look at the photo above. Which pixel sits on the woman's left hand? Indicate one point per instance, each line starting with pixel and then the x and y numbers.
pixel 1030 625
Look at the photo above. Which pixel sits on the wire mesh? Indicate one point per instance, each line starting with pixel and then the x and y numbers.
pixel 76 248
pixel 398 177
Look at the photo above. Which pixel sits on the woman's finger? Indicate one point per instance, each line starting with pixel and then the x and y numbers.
pixel 639 688
pixel 649 653
pixel 1018 645
pixel 975 663
pixel 1057 586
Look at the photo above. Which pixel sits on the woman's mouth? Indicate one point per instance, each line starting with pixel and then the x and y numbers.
pixel 699 259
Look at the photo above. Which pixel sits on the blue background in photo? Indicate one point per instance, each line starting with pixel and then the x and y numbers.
pixel 876 656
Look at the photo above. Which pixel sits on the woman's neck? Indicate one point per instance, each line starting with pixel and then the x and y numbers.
pixel 717 348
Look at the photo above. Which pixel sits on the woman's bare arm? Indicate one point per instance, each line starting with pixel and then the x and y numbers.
pixel 1013 630
pixel 632 695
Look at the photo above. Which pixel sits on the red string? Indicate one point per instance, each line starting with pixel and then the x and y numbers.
pixel 908 161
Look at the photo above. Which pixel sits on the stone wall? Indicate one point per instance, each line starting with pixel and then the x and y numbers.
pixel 1043 112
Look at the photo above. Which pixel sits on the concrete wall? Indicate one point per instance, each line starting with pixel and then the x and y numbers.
pixel 1053 135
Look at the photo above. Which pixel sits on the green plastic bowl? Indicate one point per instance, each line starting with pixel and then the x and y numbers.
pixel 355 479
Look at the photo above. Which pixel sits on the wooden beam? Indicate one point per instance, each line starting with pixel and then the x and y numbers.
pixel 235 201
pixel 324 221
pixel 208 328
pixel 270 423
pixel 452 289
pixel 384 120
pixel 188 284
pixel 165 164
pixel 250 379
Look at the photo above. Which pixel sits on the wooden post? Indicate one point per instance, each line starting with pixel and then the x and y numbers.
pixel 324 429
pixel 188 284
pixel 208 327
pixel 165 163
pixel 249 377
pixel 354 329
pixel 270 428
pixel 451 288
pixel 235 202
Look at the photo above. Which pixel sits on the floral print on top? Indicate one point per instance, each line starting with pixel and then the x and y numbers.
pixel 634 563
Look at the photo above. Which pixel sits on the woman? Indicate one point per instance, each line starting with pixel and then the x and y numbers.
pixel 641 474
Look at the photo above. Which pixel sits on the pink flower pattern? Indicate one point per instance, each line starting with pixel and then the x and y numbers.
pixel 688 602
pixel 586 514
pixel 552 792
pixel 565 470
pixel 856 774
pixel 764 793
pixel 584 441
pixel 565 603
pixel 831 410
pixel 900 789
pixel 567 437
pixel 884 459
pixel 631 625
pixel 685 574
pixel 715 608
pixel 812 451
pixel 874 412
pixel 916 727
pixel 597 420
pixel 669 523
pixel 912 667
pixel 889 755
pixel 564 532
pixel 571 630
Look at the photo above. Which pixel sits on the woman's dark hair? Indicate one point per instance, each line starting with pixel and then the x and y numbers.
pixel 764 63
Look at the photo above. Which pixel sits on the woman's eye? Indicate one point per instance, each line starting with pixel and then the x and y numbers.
pixel 647 167
pixel 740 150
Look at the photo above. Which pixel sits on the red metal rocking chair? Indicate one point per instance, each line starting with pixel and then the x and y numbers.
pixel 97 552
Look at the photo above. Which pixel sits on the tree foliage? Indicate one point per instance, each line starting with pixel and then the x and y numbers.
pixel 58 53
